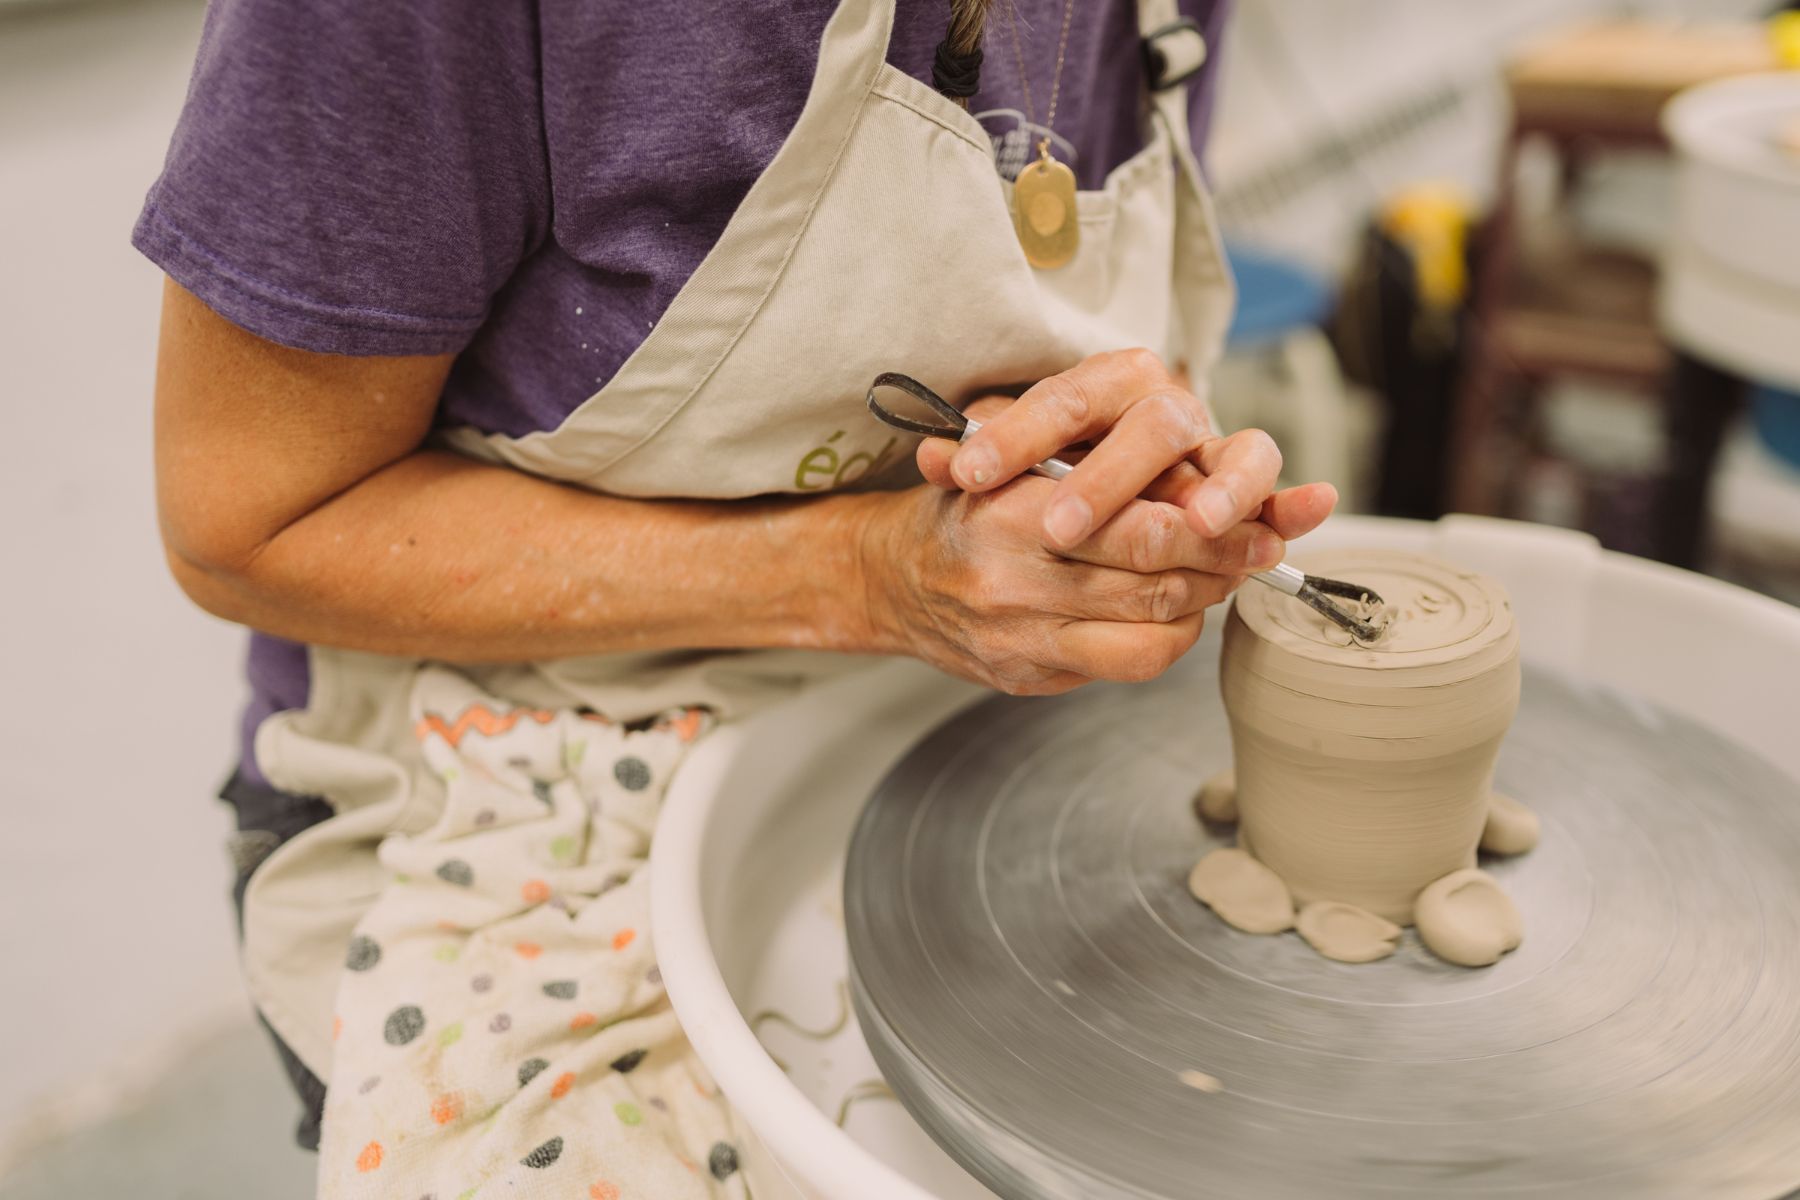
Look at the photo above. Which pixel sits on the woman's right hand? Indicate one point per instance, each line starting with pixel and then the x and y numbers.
pixel 965 583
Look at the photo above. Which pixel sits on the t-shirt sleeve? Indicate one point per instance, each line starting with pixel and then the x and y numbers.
pixel 354 177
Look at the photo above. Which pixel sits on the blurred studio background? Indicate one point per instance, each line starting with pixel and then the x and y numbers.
pixel 1484 267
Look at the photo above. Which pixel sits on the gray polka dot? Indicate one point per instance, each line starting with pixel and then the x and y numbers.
pixel 541 790
pixel 363 953
pixel 659 1104
pixel 561 989
pixel 625 1064
pixel 546 1154
pixel 654 977
pixel 722 1162
pixel 632 773
pixel 482 983
pixel 484 818
pixel 403 1025
pixel 500 1024
pixel 455 870
pixel 368 1085
pixel 530 1069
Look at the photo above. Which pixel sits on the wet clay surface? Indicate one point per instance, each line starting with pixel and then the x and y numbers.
pixel 1364 771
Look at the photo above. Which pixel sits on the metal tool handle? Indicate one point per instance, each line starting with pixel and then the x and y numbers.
pixel 1050 468
pixel 1283 578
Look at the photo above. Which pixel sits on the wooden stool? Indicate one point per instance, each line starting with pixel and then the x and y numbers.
pixel 1585 311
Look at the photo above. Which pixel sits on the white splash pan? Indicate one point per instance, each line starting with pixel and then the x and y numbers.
pixel 749 849
pixel 1730 281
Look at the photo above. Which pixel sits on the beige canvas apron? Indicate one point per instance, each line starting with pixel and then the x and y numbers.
pixel 879 238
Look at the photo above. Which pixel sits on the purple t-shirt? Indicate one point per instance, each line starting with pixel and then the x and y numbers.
pixel 528 184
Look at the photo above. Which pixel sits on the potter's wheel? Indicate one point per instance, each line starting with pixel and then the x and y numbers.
pixel 1033 977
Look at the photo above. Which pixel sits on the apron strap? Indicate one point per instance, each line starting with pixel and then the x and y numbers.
pixel 1174 50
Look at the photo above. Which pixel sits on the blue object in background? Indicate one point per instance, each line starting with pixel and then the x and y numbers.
pixel 1776 415
pixel 1275 297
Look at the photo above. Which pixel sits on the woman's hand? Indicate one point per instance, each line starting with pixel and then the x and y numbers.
pixel 964 582
pixel 1151 438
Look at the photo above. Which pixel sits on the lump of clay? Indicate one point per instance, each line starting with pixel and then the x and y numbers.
pixel 1346 932
pixel 1466 919
pixel 1511 827
pixel 1217 801
pixel 1243 892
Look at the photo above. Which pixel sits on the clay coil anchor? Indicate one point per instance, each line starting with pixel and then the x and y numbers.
pixel 1315 590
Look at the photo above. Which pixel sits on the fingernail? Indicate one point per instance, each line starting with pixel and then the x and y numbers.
pixel 1215 509
pixel 1266 549
pixel 974 465
pixel 1068 520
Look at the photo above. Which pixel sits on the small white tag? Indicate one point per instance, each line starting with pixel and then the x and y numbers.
pixel 1016 139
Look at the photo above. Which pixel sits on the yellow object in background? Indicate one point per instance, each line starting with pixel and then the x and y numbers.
pixel 1431 220
pixel 1784 34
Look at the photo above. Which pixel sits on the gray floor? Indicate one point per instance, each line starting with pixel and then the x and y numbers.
pixel 217 1128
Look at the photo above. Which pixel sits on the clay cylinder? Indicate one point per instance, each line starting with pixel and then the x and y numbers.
pixel 1363 772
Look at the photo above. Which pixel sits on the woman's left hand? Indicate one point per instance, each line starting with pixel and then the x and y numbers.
pixel 1151 437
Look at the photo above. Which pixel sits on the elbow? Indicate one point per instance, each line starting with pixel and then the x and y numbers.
pixel 218 588
pixel 218 592
pixel 210 560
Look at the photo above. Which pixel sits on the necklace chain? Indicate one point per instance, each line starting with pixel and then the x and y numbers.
pixel 1062 47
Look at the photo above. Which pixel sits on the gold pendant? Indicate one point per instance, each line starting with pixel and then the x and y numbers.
pixel 1044 211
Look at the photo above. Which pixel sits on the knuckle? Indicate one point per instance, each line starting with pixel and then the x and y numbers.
pixel 1174 419
pixel 1149 548
pixel 1140 360
pixel 1260 439
pixel 1168 595
pixel 1065 402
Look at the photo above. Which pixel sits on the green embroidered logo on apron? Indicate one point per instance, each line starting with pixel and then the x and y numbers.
pixel 821 467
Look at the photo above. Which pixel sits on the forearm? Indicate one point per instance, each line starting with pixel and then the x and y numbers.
pixel 441 557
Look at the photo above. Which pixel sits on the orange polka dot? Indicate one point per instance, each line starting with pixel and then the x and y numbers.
pixel 535 891
pixel 370 1158
pixel 449 926
pixel 528 949
pixel 563 1083
pixel 583 1020
pixel 337 1027
pixel 603 1191
pixel 446 1108
pixel 624 938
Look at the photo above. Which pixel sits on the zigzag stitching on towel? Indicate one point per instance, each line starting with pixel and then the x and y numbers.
pixel 481 719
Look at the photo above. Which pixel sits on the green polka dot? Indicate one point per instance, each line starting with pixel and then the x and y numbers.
pixel 470 1192
pixel 562 849
pixel 402 877
pixel 628 1112
pixel 446 953
pixel 573 752
pixel 450 1035
pixel 450 774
